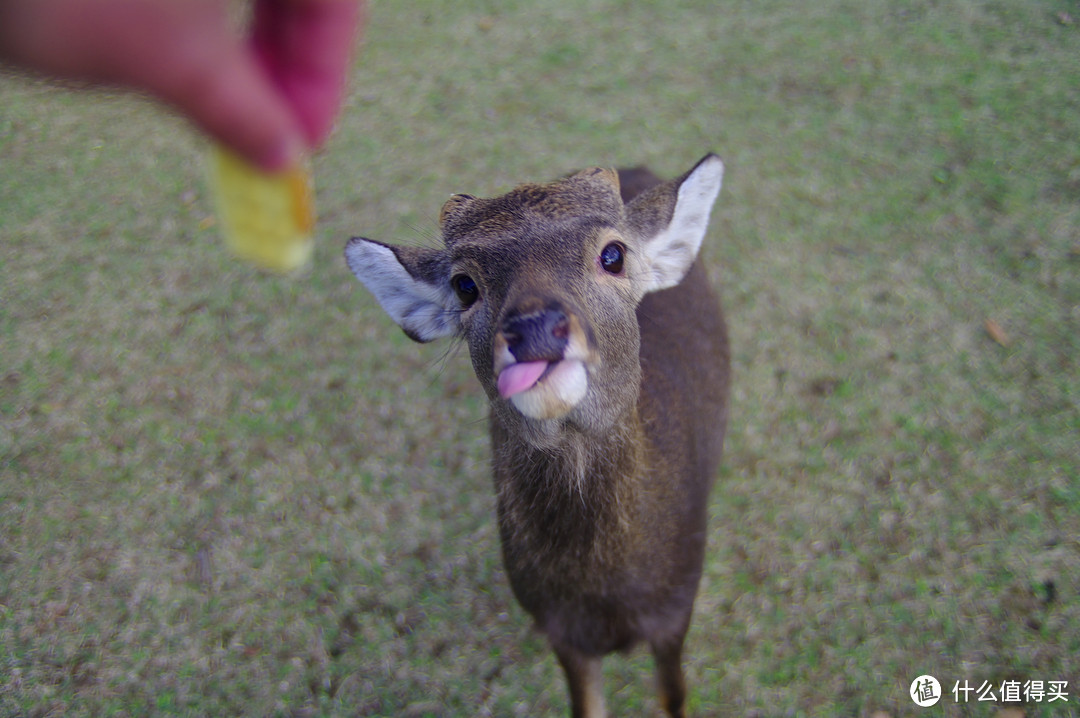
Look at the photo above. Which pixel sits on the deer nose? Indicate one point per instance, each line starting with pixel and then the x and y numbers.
pixel 537 336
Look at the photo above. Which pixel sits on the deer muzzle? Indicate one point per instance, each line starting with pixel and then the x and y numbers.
pixel 540 361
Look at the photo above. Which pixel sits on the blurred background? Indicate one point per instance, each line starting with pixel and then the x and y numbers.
pixel 224 492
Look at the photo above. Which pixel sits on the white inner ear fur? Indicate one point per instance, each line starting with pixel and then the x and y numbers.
pixel 670 253
pixel 425 311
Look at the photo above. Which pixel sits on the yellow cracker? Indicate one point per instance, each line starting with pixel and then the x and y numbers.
pixel 267 218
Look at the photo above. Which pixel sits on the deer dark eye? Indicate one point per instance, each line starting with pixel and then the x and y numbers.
pixel 611 258
pixel 465 288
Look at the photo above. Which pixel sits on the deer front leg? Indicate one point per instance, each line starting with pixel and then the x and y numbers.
pixel 585 679
pixel 669 674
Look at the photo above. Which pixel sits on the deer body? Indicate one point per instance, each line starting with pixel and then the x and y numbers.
pixel 604 354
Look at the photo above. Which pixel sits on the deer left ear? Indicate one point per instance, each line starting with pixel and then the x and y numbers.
pixel 412 285
pixel 670 249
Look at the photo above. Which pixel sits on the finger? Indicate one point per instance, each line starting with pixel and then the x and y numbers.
pixel 181 52
pixel 306 46
pixel 198 65
pixel 236 103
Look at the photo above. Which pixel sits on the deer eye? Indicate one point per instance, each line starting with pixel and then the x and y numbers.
pixel 465 288
pixel 611 258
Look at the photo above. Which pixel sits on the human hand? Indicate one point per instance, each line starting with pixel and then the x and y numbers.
pixel 270 98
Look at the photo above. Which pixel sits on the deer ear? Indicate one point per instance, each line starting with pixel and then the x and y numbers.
pixel 671 220
pixel 411 284
pixel 453 206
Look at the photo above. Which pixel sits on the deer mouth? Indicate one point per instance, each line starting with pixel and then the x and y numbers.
pixel 543 389
pixel 542 363
pixel 522 376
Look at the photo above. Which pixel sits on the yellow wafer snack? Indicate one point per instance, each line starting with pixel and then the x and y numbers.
pixel 267 218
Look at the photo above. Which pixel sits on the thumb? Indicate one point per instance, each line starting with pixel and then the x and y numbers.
pixel 306 47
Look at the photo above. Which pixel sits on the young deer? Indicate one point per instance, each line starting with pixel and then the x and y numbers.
pixel 604 355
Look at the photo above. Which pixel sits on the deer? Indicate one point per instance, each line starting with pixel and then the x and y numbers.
pixel 603 352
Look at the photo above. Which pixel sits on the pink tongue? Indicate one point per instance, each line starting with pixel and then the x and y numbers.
pixel 516 378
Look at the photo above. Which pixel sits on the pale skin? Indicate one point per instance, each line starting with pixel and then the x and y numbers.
pixel 271 96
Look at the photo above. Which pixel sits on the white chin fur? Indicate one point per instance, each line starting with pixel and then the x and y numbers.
pixel 556 393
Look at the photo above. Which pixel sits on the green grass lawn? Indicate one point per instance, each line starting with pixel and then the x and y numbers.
pixel 228 493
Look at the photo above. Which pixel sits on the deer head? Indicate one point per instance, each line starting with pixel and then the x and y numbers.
pixel 543 283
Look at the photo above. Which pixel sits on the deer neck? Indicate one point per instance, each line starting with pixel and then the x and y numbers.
pixel 567 508
pixel 558 459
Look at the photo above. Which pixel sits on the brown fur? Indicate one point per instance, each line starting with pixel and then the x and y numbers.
pixel 602 509
pixel 603 536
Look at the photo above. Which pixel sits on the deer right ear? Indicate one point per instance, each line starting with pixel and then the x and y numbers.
pixel 411 284
pixel 672 218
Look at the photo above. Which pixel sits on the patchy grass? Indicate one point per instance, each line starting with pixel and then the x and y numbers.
pixel 224 493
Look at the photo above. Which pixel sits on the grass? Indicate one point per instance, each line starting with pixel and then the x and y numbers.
pixel 224 493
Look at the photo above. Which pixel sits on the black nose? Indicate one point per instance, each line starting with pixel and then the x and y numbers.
pixel 538 335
